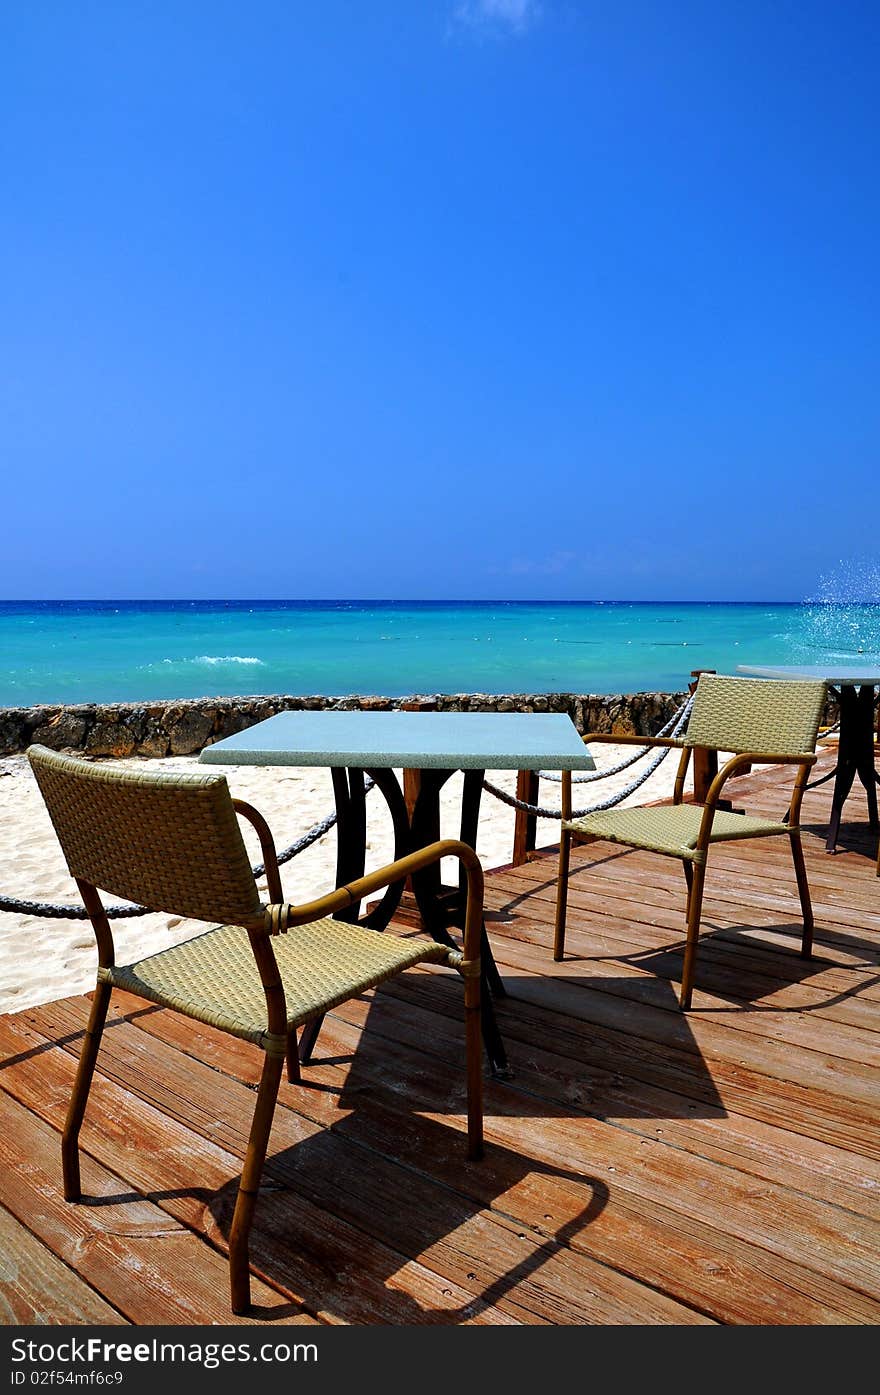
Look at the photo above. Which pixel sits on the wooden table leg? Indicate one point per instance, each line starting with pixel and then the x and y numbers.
pixel 525 825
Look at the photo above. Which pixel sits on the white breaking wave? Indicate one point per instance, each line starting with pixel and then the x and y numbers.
pixel 213 659
pixel 225 659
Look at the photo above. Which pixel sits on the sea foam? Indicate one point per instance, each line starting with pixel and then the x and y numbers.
pixel 225 659
pixel 213 659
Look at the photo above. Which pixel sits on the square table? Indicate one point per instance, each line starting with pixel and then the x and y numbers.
pixel 436 744
pixel 855 749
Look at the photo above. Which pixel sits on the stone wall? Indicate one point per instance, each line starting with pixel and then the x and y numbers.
pixel 182 728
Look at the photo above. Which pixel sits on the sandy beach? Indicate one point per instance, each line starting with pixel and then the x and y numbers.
pixel 41 959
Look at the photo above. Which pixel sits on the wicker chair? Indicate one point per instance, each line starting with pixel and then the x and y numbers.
pixel 760 721
pixel 172 843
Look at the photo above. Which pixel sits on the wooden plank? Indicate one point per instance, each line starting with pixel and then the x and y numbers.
pixel 155 1269
pixel 741 1002
pixel 591 914
pixel 764 961
pixel 412 783
pixel 773 948
pixel 745 1090
pixel 753 1214
pixel 598 893
pixel 525 824
pixel 660 880
pixel 717 1195
pixel 426 1221
pixel 676 1252
pixel 732 1073
pixel 786 1051
pixel 651 1149
pixel 37 1289
pixel 765 1151
pixel 731 1083
pixel 768 1152
pixel 161 1014
pixel 339 1274
pixel 838 884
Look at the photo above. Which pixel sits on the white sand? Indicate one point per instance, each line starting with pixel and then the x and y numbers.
pixel 41 960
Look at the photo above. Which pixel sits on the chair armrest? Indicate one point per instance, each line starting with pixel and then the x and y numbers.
pixel 749 758
pixel 744 760
pixel 267 846
pixel 609 739
pixel 279 918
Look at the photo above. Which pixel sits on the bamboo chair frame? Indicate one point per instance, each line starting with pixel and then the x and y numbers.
pixel 696 861
pixel 277 917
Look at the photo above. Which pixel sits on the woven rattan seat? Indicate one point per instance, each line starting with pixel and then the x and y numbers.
pixel 762 722
pixel 672 830
pixel 213 977
pixel 173 843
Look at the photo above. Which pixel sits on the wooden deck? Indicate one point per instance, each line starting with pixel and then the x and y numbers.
pixel 642 1167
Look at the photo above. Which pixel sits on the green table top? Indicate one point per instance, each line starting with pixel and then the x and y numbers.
pixel 413 740
pixel 848 676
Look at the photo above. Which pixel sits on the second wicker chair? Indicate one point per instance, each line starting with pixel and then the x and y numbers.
pixel 759 721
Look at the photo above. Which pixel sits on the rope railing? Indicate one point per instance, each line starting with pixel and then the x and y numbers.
pixel 53 910
pixel 538 812
pixel 672 728
pixel 588 776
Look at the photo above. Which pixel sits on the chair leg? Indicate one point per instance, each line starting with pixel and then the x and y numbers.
pixel 694 910
pixel 473 1043
pixel 800 871
pixel 688 872
pixel 294 1076
pixel 561 894
pixel 79 1099
pixel 239 1262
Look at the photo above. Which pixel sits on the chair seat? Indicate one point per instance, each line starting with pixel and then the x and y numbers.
pixel 671 829
pixel 213 977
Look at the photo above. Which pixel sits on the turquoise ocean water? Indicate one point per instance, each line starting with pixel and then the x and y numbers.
pixel 105 651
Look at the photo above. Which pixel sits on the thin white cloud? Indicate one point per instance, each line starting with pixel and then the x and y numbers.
pixel 515 16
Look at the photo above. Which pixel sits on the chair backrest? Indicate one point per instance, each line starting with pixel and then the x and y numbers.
pixel 170 842
pixel 766 715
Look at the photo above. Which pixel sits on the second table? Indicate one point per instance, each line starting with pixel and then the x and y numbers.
pixel 854 690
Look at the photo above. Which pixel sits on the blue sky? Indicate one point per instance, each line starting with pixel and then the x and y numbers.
pixel 462 298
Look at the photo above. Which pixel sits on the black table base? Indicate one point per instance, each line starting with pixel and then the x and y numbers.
pixel 855 756
pixel 439 909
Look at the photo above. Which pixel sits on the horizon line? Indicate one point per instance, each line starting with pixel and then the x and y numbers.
pixel 410 600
